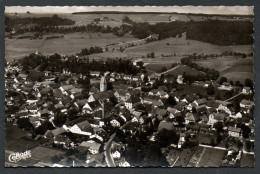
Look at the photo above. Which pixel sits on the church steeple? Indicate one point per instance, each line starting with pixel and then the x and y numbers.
pixel 103 84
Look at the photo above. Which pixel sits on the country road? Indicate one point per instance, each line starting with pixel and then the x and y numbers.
pixel 107 148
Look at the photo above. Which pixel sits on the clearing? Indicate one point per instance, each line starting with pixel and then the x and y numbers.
pixel 234 68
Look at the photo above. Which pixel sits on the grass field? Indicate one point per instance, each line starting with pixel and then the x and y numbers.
pixel 17 140
pixel 247 160
pixel 181 69
pixel 231 67
pixel 211 158
pixel 70 44
pixel 181 46
pixel 45 153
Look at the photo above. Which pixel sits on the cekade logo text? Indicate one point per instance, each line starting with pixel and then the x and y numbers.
pixel 15 157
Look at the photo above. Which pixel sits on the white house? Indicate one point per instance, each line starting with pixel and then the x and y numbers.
pixel 234 131
pixel 115 123
pixel 116 155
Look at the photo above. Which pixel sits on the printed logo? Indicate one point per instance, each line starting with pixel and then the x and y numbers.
pixel 15 157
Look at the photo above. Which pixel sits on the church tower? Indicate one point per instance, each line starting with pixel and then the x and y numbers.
pixel 103 84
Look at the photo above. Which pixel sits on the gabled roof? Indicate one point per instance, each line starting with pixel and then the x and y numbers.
pixel 165 125
pixel 84 126
pixel 201 101
pixel 234 129
pixel 58 131
pixel 91 145
pixel 218 116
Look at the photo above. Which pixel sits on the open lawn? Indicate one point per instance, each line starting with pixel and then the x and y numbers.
pixel 247 160
pixel 179 70
pixel 181 46
pixel 17 140
pixel 211 158
pixel 233 68
pixel 45 153
pixel 71 43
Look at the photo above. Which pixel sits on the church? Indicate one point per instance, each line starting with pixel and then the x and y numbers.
pixel 103 84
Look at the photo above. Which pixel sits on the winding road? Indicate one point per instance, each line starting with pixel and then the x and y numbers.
pixel 107 147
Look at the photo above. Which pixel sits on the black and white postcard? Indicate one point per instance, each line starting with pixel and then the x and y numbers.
pixel 133 86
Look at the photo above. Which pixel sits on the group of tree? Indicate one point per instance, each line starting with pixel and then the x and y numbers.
pixel 91 50
pixel 76 65
pixel 210 74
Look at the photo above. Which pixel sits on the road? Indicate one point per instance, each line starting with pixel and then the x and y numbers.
pixel 107 148
pixel 233 96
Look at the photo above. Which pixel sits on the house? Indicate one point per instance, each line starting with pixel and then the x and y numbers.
pixel 225 86
pixel 180 79
pixel 172 112
pixel 190 118
pixel 234 131
pixel 122 95
pixel 181 140
pixel 165 125
pixel 94 159
pixel 59 139
pixel 94 73
pixel 116 154
pixel 216 117
pixel 129 104
pixel 92 145
pixel 246 104
pixel 115 123
pixel 199 102
pixel 83 128
pixel 123 163
pixel 93 90
pixel 246 90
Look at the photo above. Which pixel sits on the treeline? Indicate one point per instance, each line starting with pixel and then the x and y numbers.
pixel 55 20
pixel 210 74
pixel 221 32
pixel 217 32
pixel 91 50
pixel 56 63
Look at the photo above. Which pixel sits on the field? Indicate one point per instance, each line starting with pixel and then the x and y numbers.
pixel 207 157
pixel 45 154
pixel 247 160
pixel 211 158
pixel 179 70
pixel 231 67
pixel 181 46
pixel 70 44
pixel 17 139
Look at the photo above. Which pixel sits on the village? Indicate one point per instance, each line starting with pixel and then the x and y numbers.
pixel 124 120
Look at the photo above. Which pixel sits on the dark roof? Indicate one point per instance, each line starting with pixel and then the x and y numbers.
pixel 84 126
pixel 165 125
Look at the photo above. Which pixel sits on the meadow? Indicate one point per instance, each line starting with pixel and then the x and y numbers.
pixel 70 44
pixel 234 68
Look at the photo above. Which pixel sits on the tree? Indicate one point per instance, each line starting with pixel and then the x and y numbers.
pixel 180 120
pixel 72 114
pixel 249 83
pixel 152 55
pixel 43 128
pixel 210 89
pixel 109 86
pixel 222 80
pixel 218 126
pixel 59 119
pixel 163 69
pixel 166 137
pixel 146 79
pixel 24 123
pixel 245 131
pixel 154 156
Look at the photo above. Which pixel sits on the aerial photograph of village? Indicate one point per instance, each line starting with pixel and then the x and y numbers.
pixel 129 86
